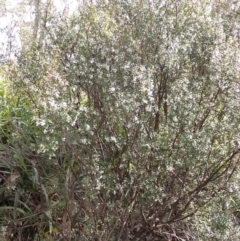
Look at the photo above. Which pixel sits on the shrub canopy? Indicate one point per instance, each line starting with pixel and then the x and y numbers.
pixel 125 125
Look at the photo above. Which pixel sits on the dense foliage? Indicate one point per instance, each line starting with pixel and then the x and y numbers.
pixel 121 122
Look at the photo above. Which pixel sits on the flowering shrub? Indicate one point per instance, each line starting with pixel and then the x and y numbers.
pixel 133 132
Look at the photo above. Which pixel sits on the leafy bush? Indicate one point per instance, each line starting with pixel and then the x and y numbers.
pixel 127 126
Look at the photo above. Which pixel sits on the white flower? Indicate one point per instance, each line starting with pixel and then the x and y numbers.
pixel 112 90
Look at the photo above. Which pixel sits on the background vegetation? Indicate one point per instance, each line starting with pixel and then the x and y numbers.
pixel 120 121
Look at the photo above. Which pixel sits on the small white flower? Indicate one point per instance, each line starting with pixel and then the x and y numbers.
pixel 175 119
pixel 112 90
